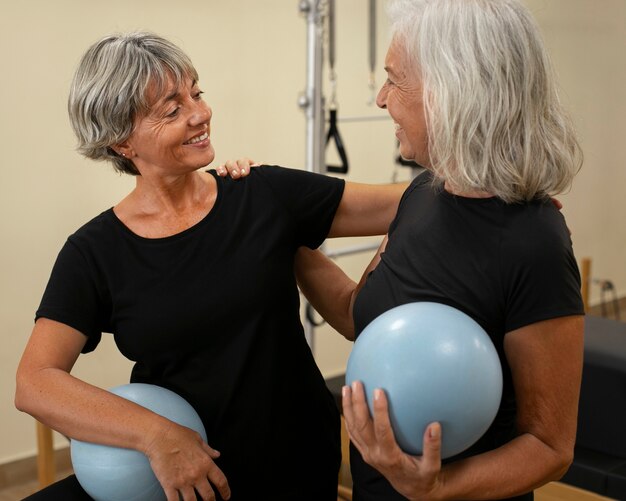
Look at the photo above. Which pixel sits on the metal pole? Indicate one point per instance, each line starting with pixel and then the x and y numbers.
pixel 312 101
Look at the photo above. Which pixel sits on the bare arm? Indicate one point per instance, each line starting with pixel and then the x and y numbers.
pixel 546 364
pixel 46 390
pixel 329 290
pixel 366 209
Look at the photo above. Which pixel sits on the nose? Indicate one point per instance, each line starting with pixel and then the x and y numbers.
pixel 202 114
pixel 381 97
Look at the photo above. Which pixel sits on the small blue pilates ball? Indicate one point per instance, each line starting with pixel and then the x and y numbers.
pixel 435 363
pixel 116 474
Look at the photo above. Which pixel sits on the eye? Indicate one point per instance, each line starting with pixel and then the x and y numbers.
pixel 198 95
pixel 173 113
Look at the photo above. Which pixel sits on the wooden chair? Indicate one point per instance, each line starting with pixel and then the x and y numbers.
pixel 344 491
pixel 45 456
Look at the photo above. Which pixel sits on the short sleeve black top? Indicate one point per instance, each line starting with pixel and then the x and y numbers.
pixel 505 265
pixel 212 313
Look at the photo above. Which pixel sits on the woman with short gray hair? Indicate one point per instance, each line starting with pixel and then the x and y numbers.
pixel 193 274
pixel 474 101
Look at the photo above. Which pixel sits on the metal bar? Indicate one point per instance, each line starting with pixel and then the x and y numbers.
pixel 352 250
pixel 313 103
pixel 365 118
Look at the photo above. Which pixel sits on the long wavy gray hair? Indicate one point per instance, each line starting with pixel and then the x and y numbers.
pixel 494 118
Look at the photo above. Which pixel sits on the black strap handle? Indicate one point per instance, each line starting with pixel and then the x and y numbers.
pixel 333 133
pixel 310 316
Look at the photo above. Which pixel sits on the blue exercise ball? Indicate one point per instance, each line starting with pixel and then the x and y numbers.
pixel 116 474
pixel 435 363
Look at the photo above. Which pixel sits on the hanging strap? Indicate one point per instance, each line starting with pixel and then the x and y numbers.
pixel 310 316
pixel 333 133
pixel 333 130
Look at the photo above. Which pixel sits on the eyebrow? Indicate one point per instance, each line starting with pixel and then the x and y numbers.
pixel 176 93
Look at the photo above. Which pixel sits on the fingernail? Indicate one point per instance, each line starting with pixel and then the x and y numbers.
pixel 433 431
pixel 243 171
pixel 377 393
pixel 344 391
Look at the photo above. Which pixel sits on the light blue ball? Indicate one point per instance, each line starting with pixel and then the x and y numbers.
pixel 435 363
pixel 116 474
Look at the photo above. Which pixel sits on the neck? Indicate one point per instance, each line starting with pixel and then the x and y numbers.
pixel 450 188
pixel 170 194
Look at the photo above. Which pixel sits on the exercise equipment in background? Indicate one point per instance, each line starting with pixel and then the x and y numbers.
pixel 435 363
pixel 116 474
pixel 333 129
pixel 372 50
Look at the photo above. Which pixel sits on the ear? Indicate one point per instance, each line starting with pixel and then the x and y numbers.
pixel 124 149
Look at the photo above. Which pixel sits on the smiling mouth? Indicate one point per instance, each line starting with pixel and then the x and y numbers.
pixel 198 139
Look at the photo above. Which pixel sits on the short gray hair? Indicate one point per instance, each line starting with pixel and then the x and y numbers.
pixel 109 90
pixel 495 121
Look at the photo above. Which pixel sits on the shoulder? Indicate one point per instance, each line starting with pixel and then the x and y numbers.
pixel 536 227
pixel 95 231
pixel 278 174
pixel 295 186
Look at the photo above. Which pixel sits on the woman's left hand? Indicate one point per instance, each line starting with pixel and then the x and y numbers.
pixel 416 477
pixel 236 168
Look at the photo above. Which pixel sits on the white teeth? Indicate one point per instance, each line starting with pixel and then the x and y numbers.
pixel 198 138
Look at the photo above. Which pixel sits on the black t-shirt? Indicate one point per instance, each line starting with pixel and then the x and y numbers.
pixel 505 265
pixel 212 313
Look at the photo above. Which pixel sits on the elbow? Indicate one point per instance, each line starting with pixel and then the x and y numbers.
pixel 23 394
pixel 563 461
pixel 20 400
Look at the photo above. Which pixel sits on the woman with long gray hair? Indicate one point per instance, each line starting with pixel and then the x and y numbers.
pixel 474 101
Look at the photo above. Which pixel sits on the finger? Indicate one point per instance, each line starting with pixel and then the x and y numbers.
pixel 362 424
pixel 203 488
pixel 233 169
pixel 218 479
pixel 221 171
pixel 346 404
pixel 348 415
pixel 382 423
pixel 244 165
pixel 188 494
pixel 171 494
pixel 213 453
pixel 557 203
pixel 360 408
pixel 431 458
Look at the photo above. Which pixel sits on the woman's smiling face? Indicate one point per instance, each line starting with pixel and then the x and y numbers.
pixel 401 95
pixel 174 135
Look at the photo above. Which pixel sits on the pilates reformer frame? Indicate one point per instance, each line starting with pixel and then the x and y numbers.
pixel 319 14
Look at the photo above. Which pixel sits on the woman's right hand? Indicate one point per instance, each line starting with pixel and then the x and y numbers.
pixel 182 462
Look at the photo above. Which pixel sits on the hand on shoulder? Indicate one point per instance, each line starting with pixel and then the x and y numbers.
pixel 236 168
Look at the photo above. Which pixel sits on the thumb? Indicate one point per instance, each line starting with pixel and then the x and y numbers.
pixel 432 446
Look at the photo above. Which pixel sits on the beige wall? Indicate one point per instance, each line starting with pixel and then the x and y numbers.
pixel 251 59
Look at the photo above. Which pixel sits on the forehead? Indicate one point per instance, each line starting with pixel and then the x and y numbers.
pixel 159 90
pixel 399 64
pixel 395 60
